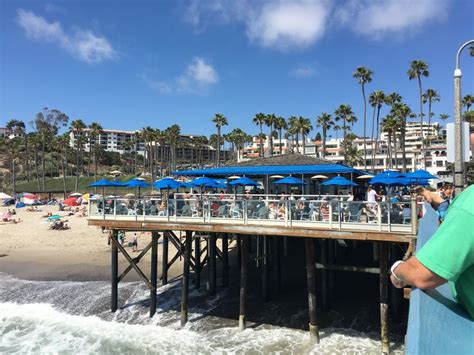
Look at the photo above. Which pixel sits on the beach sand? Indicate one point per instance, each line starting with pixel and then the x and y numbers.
pixel 29 250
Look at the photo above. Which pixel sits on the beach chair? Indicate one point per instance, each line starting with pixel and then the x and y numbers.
pixel 406 215
pixel 354 213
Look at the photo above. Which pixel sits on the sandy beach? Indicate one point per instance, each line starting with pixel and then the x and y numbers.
pixel 30 250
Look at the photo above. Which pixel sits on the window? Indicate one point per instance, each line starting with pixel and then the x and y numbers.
pixel 439 163
pixel 428 164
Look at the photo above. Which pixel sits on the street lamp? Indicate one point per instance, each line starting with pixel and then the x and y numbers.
pixel 458 125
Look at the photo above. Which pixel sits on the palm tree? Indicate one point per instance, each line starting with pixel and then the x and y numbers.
pixel 352 156
pixel 35 141
pixel 389 125
pixel 280 125
pixel 18 128
pixel 363 76
pixel 345 114
pixel 270 122
pixel 325 122
pixel 304 126
pixel 219 120
pixel 173 133
pixel 77 127
pixel 259 120
pixel 95 129
pixel 419 68
pixel 443 116
pixel 429 97
pixel 13 156
pixel 401 112
pixel 376 100
pixel 468 101
pixel 62 143
pixel 293 129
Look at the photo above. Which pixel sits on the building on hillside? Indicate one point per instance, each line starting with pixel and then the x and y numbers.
pixel 252 150
pixel 6 133
pixel 3 132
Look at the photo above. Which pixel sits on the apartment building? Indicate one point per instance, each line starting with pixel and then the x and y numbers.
pixel 110 140
pixel 252 150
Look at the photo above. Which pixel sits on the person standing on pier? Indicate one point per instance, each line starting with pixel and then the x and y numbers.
pixel 448 256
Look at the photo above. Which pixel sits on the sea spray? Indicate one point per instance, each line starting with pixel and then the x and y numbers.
pixel 71 317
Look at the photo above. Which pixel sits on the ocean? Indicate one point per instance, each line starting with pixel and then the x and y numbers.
pixel 66 317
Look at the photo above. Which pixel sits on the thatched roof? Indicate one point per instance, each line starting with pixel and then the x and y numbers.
pixel 285 159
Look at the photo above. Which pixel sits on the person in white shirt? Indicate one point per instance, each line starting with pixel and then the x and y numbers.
pixel 371 194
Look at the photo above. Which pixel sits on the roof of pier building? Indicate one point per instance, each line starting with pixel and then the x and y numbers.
pixel 281 164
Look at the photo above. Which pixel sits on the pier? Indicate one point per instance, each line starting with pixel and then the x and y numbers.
pixel 209 223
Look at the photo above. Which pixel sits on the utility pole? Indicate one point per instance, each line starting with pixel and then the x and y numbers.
pixel 458 125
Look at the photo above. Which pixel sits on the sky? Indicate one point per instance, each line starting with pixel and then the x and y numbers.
pixel 130 64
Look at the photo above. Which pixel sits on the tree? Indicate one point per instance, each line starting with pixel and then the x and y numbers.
pixel 62 143
pixel 389 125
pixel 280 125
pixel 95 129
pixel 467 101
pixel 325 122
pixel 259 120
pixel 173 134
pixel 345 114
pixel 401 112
pixel 294 130
pixel 219 120
pixel 77 128
pixel 13 155
pixel 419 68
pixel 376 100
pixel 270 122
pixel 317 137
pixel 429 97
pixel 18 127
pixel 352 156
pixel 304 126
pixel 443 116
pixel 363 76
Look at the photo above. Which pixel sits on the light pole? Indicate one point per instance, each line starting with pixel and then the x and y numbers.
pixel 458 125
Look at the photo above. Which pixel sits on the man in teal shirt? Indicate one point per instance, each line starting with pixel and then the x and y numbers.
pixel 447 256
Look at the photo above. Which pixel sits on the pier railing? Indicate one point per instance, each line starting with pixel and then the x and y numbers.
pixel 304 212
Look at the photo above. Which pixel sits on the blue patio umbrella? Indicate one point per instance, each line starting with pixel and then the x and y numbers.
pixel 243 181
pixel 339 181
pixel 167 183
pixel 420 174
pixel 135 183
pixel 203 181
pixel 105 183
pixel 290 180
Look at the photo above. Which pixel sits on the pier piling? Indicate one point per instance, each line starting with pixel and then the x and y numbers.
pixel 324 275
pixel 114 298
pixel 383 262
pixel 153 271
pixel 265 268
pixel 212 264
pixel 225 260
pixel 243 280
pixel 311 281
pixel 239 249
pixel 197 261
pixel 277 263
pixel 164 269
pixel 185 287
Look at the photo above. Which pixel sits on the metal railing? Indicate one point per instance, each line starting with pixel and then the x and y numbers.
pixel 306 211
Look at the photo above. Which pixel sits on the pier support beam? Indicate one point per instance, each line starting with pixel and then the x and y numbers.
pixel 239 249
pixel 225 260
pixel 114 298
pixel 153 271
pixel 265 268
pixel 311 280
pixel 197 261
pixel 277 262
pixel 185 287
pixel 324 275
pixel 164 269
pixel 383 262
pixel 212 264
pixel 243 279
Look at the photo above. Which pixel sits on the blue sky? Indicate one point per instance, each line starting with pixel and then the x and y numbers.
pixel 130 64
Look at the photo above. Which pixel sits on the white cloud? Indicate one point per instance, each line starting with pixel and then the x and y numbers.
pixel 198 76
pixel 84 45
pixel 289 24
pixel 304 71
pixel 377 18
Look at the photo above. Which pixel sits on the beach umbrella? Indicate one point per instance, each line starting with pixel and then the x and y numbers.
pixel 75 194
pixel 391 181
pixel 130 195
pixel 167 183
pixel 366 176
pixel 276 176
pixel 315 177
pixel 233 177
pixel 243 181
pixel 103 183
pixel 387 174
pixel 4 196
pixel 202 181
pixel 71 201
pixel 290 180
pixel 116 172
pixel 339 181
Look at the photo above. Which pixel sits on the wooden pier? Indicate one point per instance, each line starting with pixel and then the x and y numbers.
pixel 319 238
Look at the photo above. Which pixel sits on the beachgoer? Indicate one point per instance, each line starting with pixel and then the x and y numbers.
pixel 372 194
pixel 135 242
pixel 436 201
pixel 447 256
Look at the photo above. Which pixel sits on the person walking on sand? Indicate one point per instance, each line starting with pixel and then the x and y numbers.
pixel 135 242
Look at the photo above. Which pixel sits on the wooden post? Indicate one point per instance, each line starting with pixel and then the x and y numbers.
pixel 324 275
pixel 164 269
pixel 396 294
pixel 311 281
pixel 225 260
pixel 243 280
pixel 212 264
pixel 153 271
pixel 114 297
pixel 185 287
pixel 239 249
pixel 277 262
pixel 383 262
pixel 265 268
pixel 197 261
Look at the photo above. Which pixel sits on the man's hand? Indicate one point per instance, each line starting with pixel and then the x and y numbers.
pixel 397 283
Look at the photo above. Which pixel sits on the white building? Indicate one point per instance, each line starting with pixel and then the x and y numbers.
pixel 252 150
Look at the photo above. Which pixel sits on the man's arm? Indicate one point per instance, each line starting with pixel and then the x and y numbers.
pixel 412 272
